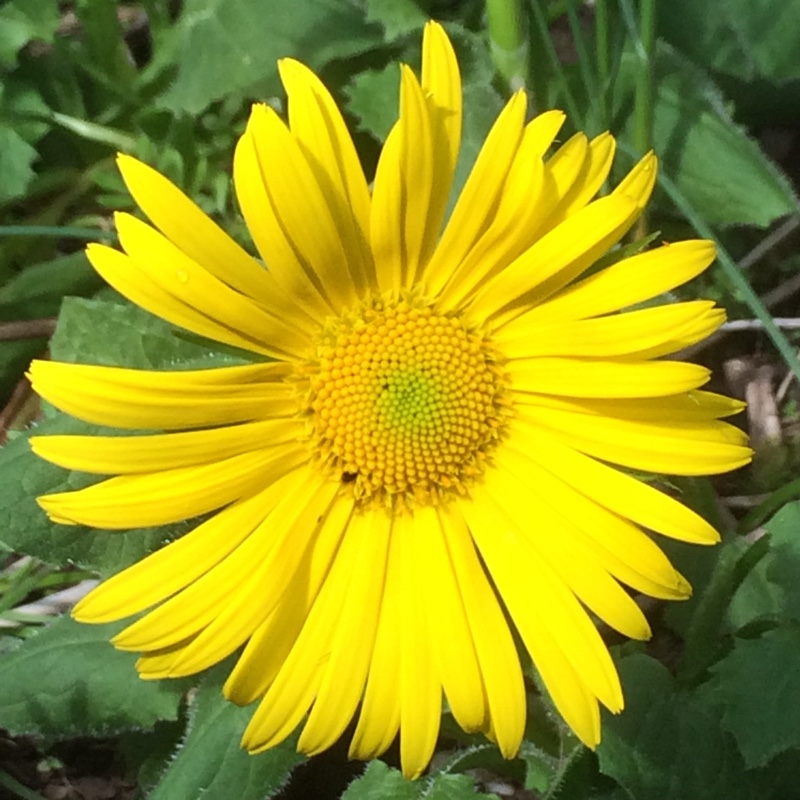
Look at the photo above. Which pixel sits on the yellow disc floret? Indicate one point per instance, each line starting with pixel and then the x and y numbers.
pixel 404 402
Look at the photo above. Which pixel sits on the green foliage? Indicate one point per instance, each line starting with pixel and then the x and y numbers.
pixel 739 38
pixel 380 782
pixel 229 47
pixel 209 762
pixel 723 719
pixel 68 681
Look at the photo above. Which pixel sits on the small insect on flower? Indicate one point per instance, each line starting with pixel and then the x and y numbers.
pixel 430 444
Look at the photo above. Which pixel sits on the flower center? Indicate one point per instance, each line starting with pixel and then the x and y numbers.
pixel 404 402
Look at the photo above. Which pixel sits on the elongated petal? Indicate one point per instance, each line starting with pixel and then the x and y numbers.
pixel 420 688
pixel 450 635
pixel 352 645
pixel 403 232
pixel 170 270
pixel 665 447
pixel 157 498
pixel 616 491
pixel 616 335
pixel 561 255
pixel 293 523
pixel 297 201
pixel 267 649
pixel 184 615
pixel 319 128
pixel 188 227
pixel 379 719
pixel 618 546
pixel 106 455
pixel 630 281
pixel 273 243
pixel 162 293
pixel 583 378
pixel 497 653
pixel 475 209
pixel 145 399
pixel 175 566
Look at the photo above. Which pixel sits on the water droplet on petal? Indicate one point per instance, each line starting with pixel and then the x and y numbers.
pixel 183 276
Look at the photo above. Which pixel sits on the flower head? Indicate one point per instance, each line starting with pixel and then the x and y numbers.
pixel 425 450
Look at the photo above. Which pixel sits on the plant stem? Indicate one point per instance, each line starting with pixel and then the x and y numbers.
pixel 508 36
pixel 603 48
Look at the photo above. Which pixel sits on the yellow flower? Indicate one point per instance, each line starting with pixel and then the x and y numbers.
pixel 423 457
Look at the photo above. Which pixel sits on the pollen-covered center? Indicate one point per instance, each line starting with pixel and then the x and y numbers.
pixel 404 401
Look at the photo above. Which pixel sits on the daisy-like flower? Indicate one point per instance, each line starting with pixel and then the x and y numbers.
pixel 426 449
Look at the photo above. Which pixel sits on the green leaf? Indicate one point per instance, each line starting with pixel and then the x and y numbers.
pixel 230 46
pixel 757 689
pixel 211 764
pixel 16 159
pixel 22 21
pixel 381 782
pixel 738 37
pixel 667 743
pixel 770 592
pixel 713 161
pixel 398 17
pixel 373 98
pixel 67 680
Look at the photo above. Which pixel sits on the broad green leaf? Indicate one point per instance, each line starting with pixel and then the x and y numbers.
pixel 226 47
pixel 398 17
pixel 374 100
pixel 771 592
pixel 713 161
pixel 381 782
pixel 22 21
pixel 667 743
pixel 211 764
pixel 16 160
pixel 738 37
pixel 120 334
pixel 68 680
pixel 757 689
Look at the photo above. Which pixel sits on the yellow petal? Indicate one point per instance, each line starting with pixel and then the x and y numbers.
pixel 673 448
pixel 303 216
pixel 476 206
pixel 352 645
pixel 188 227
pixel 550 531
pixel 317 124
pixel 557 258
pixel 157 498
pixel 148 399
pixel 576 377
pixel 618 546
pixel 175 566
pixel 294 522
pixel 283 262
pixel 616 491
pixel 630 281
pixel 403 232
pixel 615 335
pixel 497 653
pixel 379 719
pixel 164 294
pixel 420 688
pixel 450 635
pixel 267 649
pixel 178 620
pixel 117 455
